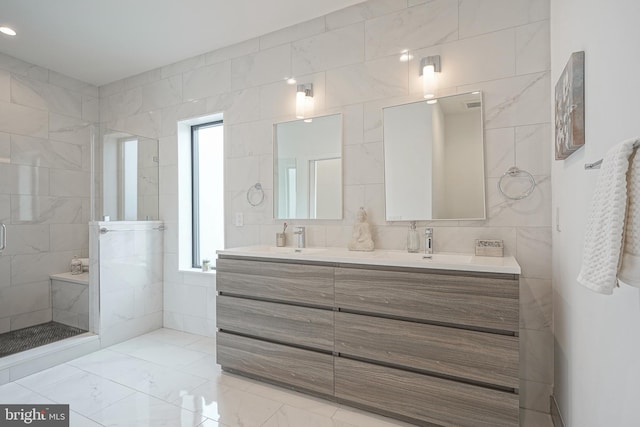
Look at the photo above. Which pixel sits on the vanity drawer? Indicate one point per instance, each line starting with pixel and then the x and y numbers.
pixel 306 284
pixel 421 397
pixel 303 369
pixel 475 356
pixel 303 326
pixel 488 301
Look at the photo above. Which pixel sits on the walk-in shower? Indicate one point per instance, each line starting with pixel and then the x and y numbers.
pixel 44 213
pixel 49 192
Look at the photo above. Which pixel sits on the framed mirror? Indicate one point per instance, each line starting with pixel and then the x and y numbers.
pixel 307 168
pixel 434 159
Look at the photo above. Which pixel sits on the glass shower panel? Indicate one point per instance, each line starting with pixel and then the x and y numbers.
pixel 45 202
pixel 127 179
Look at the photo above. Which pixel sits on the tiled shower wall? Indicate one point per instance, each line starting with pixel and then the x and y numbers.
pixel 352 58
pixel 45 136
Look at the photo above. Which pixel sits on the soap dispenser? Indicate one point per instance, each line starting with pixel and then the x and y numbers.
pixel 413 239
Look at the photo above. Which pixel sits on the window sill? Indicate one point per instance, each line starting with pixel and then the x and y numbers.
pixel 197 271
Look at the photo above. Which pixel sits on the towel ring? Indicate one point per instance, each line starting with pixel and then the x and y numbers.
pixel 515 172
pixel 255 195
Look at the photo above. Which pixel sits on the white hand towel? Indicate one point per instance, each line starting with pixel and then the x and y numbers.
pixel 605 228
pixel 630 269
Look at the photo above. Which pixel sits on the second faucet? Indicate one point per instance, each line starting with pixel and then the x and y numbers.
pixel 428 240
pixel 300 232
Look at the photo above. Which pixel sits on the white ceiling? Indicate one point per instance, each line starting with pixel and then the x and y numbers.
pixel 100 41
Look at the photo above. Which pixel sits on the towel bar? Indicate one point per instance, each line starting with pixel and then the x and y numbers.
pixel 105 230
pixel 596 165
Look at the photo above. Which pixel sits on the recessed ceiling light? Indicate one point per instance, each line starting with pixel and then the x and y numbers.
pixel 8 31
pixel 290 80
pixel 475 93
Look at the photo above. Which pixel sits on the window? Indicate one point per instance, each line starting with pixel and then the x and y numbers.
pixel 207 191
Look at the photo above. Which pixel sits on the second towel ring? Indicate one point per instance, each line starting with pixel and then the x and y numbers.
pixel 255 195
pixel 513 172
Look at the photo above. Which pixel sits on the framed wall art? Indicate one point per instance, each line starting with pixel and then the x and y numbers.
pixel 569 102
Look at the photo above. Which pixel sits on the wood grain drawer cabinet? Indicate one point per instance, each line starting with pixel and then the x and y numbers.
pixel 486 301
pixel 302 326
pixel 305 284
pixel 467 355
pixel 303 369
pixel 434 347
pixel 431 400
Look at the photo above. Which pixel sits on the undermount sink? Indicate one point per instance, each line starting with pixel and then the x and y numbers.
pixel 436 258
pixel 285 250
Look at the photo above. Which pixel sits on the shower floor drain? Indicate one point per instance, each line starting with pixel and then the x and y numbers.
pixel 35 336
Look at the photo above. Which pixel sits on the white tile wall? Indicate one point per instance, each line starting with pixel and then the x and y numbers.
pixel 293 33
pixel 531 41
pixel 207 81
pixel 498 46
pixel 483 16
pixel 5 276
pixel 366 81
pixel 31 318
pixel 45 96
pixel 46 210
pixel 20 120
pixel 514 101
pixel 27 239
pixel 45 153
pixel 70 303
pixel 264 66
pixel 73 130
pixel 532 153
pixel 21 68
pixel 361 12
pixel 5 147
pixel 5 86
pixel 131 279
pixel 412 28
pixel 329 50
pixel 17 179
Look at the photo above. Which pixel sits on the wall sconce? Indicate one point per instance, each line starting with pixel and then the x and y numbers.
pixel 304 100
pixel 429 69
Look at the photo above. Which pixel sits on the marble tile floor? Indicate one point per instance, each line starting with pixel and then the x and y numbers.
pixel 170 378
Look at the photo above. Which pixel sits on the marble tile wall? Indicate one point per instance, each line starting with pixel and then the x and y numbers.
pixel 352 57
pixel 131 276
pixel 45 129
pixel 70 303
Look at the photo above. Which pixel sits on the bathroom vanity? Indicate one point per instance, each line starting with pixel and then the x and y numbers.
pixel 430 341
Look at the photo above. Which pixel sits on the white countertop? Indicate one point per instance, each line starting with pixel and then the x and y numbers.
pixel 438 261
pixel 82 278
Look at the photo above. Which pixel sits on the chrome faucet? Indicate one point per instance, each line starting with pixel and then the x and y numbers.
pixel 300 231
pixel 428 240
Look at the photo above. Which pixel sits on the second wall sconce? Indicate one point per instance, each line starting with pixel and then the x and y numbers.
pixel 304 100
pixel 429 70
